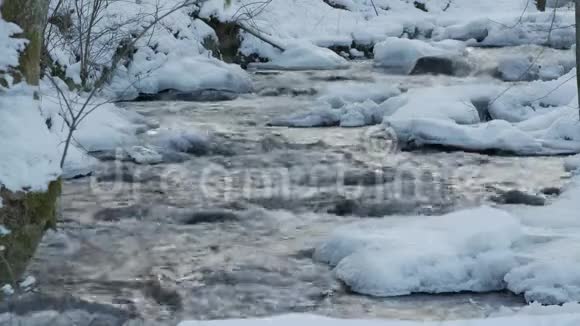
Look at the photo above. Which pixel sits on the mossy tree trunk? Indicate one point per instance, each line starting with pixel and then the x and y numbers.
pixel 25 214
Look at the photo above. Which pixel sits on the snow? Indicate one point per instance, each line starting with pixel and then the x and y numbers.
pixel 532 251
pixel 4 231
pixel 7 289
pixel 305 56
pixel 403 54
pixel 537 317
pixel 424 256
pixel 28 150
pixel 345 104
pixel 572 163
pixel 106 128
pixel 532 119
pixel 184 74
pixel 9 47
pixel 511 28
pixel 340 94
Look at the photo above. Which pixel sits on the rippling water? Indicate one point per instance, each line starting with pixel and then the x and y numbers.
pixel 138 243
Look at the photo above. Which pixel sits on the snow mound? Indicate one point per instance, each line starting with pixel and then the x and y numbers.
pixel 305 57
pixel 183 74
pixel 532 119
pixel 512 29
pixel 533 251
pixel 572 163
pixel 403 55
pixel 425 256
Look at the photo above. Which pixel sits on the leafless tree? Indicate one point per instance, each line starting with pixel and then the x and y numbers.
pixel 100 48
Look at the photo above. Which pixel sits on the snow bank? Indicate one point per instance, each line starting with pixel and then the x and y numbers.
pixel 427 256
pixel 532 119
pixel 184 74
pixel 539 318
pixel 572 163
pixel 512 28
pixel 29 159
pixel 533 251
pixel 402 55
pixel 106 128
pixel 28 150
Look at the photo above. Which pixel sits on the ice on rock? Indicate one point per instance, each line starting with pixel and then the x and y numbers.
pixel 464 251
pixel 305 56
pixel 402 55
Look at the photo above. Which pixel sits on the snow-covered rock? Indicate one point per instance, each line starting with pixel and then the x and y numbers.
pixel 532 119
pixel 403 55
pixel 451 253
pixel 532 251
pixel 572 163
pixel 514 28
pixel 305 56
pixel 185 74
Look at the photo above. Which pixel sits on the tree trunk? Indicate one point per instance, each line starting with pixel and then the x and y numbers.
pixel 541 5
pixel 30 15
pixel 26 214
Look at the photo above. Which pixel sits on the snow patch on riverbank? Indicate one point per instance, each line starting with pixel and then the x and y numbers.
pixel 529 251
pixel 539 316
pixel 538 118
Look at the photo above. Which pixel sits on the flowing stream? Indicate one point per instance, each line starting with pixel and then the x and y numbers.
pixel 231 233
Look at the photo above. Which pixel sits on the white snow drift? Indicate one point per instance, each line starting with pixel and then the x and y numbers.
pixel 530 251
pixel 305 56
pixel 533 119
pixel 402 54
pixel 539 316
